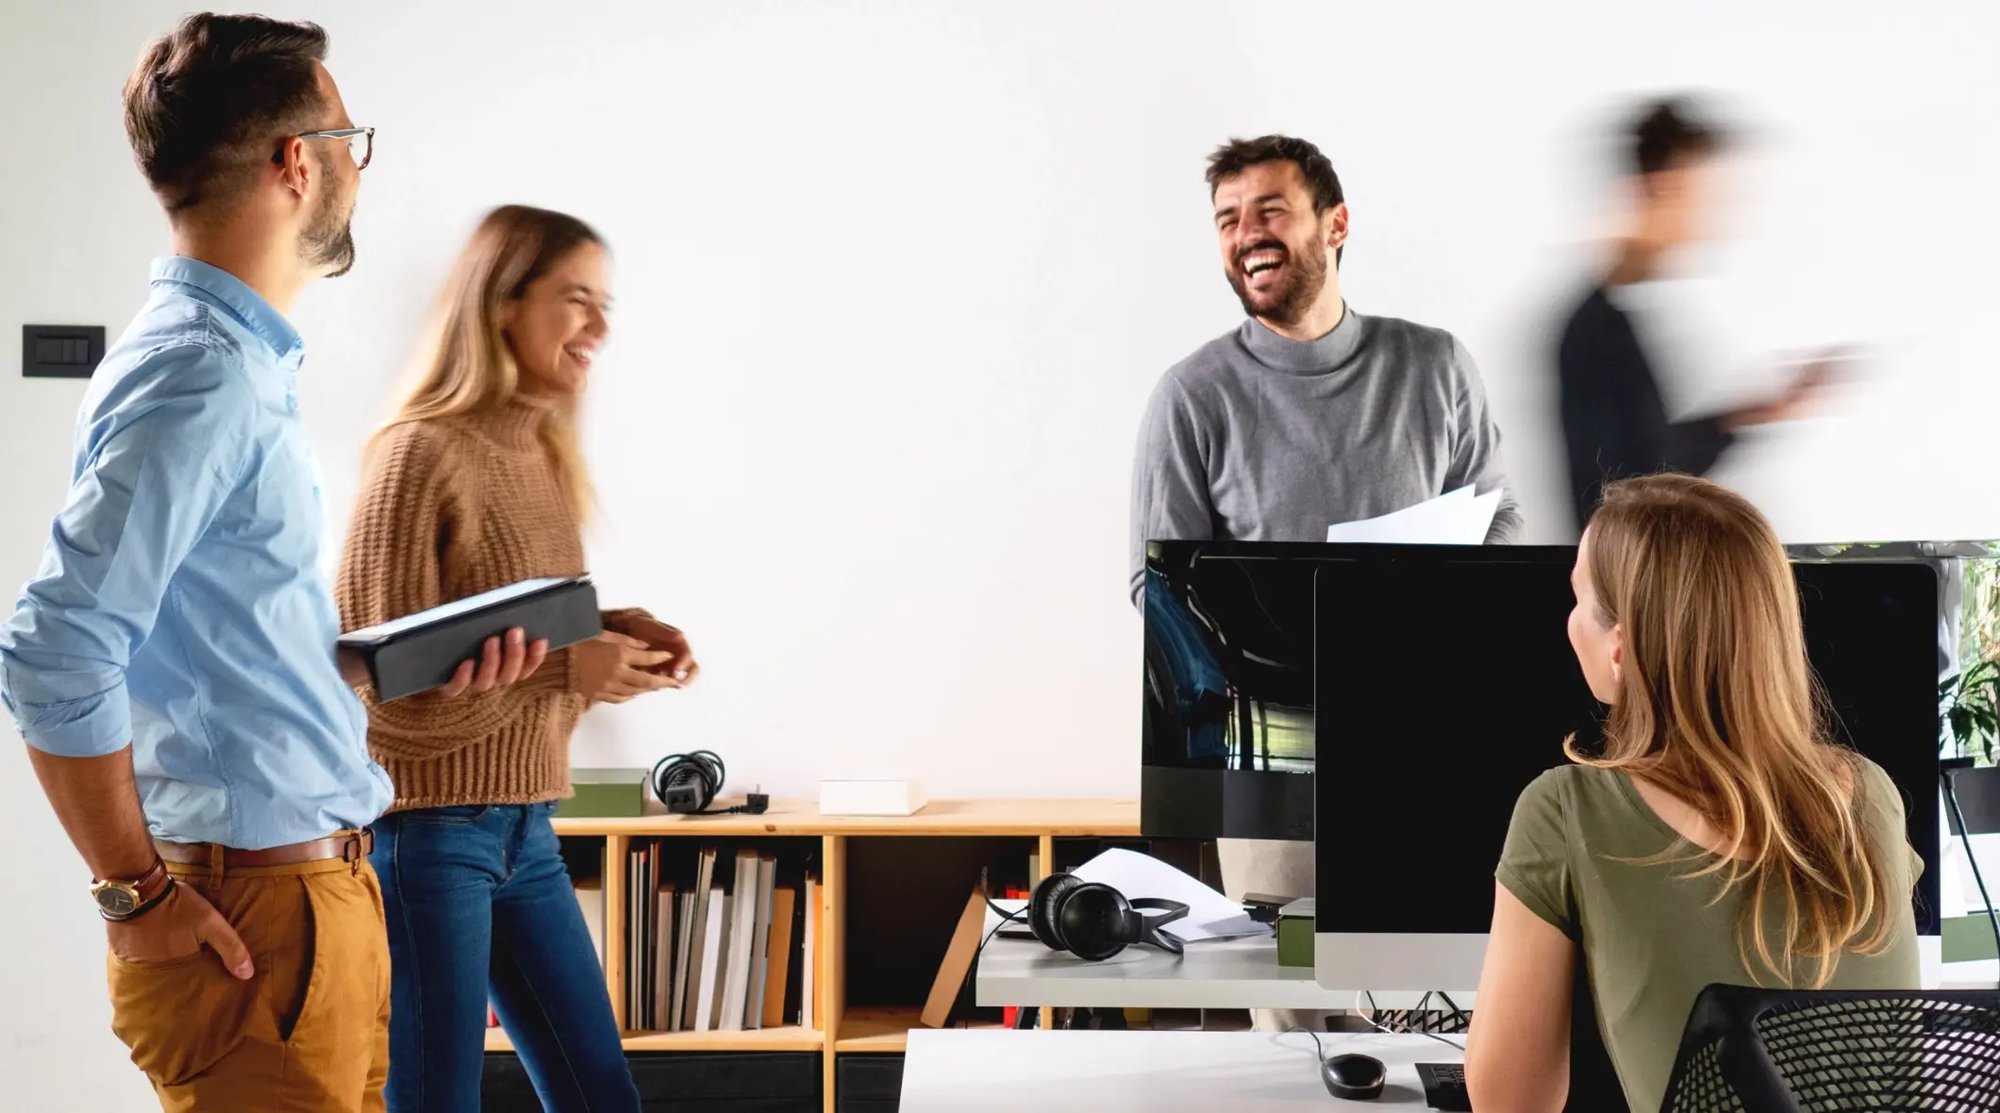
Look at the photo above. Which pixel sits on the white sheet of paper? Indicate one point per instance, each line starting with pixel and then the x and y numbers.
pixel 1210 914
pixel 1012 929
pixel 1457 517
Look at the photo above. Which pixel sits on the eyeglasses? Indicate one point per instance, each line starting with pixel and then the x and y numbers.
pixel 360 142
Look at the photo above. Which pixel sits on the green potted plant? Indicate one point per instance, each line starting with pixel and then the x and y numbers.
pixel 1970 711
pixel 1969 700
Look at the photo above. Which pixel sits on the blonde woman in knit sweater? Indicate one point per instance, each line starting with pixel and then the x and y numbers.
pixel 475 483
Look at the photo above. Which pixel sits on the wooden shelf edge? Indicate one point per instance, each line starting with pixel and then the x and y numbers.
pixel 1100 818
pixel 765 1039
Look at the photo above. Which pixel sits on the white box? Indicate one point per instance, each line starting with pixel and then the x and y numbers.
pixel 870 796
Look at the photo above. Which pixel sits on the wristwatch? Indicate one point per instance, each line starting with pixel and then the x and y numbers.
pixel 121 900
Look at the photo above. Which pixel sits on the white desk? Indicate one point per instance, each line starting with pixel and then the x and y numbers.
pixel 999 1071
pixel 1217 974
pixel 1222 974
pixel 1979 974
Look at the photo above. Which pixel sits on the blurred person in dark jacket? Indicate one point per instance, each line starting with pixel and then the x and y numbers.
pixel 1615 423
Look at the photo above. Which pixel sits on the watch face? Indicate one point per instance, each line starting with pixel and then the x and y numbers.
pixel 116 902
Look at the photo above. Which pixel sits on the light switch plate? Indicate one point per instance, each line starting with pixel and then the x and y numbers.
pixel 61 351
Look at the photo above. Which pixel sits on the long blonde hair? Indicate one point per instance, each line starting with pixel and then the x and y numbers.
pixel 464 365
pixel 1717 706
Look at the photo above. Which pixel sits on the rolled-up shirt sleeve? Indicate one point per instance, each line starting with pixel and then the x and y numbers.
pixel 156 471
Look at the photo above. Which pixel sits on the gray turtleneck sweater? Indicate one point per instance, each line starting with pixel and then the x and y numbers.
pixel 1258 438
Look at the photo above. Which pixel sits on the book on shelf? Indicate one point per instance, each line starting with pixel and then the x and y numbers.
pixel 741 929
pixel 666 901
pixel 684 935
pixel 778 954
pixel 649 930
pixel 718 936
pixel 715 939
pixel 958 957
pixel 635 938
pixel 699 952
pixel 798 962
pixel 760 942
pixel 808 984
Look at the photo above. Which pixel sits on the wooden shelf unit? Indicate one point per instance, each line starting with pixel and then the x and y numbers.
pixel 842 1030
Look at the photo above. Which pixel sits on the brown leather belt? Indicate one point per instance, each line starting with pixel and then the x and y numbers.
pixel 348 846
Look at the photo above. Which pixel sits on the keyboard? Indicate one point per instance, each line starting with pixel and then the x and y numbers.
pixel 1444 1087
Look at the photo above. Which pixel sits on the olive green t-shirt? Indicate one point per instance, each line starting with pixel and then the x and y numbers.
pixel 1653 937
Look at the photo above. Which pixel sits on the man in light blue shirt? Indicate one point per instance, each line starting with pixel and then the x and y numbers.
pixel 172 665
pixel 180 608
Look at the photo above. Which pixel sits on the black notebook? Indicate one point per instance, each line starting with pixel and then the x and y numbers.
pixel 421 651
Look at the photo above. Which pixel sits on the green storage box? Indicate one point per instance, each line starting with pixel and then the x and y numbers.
pixel 1295 933
pixel 605 794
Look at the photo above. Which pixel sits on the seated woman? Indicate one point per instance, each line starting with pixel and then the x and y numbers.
pixel 1719 836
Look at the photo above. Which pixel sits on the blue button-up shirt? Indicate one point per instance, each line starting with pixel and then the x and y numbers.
pixel 181 605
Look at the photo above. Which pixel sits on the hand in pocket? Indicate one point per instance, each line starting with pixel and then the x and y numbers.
pixel 177 929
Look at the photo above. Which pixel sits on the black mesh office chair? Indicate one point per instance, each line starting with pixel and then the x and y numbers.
pixel 1864 1051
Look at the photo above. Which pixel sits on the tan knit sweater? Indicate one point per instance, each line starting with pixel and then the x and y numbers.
pixel 450 508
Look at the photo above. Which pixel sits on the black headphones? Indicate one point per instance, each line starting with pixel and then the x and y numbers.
pixel 1094 921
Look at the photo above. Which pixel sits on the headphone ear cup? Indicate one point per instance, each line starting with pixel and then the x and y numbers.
pixel 1092 920
pixel 1042 907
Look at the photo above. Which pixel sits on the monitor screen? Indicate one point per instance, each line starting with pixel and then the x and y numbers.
pixel 1445 682
pixel 1227 721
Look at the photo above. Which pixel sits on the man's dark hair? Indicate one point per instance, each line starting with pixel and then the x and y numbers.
pixel 1238 155
pixel 1668 132
pixel 210 100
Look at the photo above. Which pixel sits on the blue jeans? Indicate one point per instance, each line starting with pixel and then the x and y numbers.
pixel 479 905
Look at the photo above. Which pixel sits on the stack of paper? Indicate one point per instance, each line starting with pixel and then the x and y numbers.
pixel 1210 914
pixel 1454 518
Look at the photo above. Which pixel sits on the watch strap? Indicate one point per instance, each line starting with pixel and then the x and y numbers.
pixel 147 889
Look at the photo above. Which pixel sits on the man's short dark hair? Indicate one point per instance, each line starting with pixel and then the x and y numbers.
pixel 210 100
pixel 1238 155
pixel 1667 133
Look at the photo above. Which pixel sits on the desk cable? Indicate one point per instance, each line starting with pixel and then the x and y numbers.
pixel 1006 918
pixel 1319 1050
pixel 1405 1030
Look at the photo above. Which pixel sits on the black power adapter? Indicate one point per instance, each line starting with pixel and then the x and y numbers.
pixel 688 783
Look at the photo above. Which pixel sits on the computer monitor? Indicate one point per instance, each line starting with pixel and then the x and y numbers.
pixel 1445 683
pixel 1227 720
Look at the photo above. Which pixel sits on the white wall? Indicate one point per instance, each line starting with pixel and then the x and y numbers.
pixel 895 279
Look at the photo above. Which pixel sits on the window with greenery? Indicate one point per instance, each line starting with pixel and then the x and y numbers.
pixel 1969 598
pixel 1970 696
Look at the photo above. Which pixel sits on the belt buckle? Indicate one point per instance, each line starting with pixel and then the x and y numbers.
pixel 356 846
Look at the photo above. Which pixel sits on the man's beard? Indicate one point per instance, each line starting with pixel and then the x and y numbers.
pixel 329 240
pixel 1292 299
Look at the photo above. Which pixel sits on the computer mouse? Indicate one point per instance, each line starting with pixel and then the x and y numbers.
pixel 1354 1077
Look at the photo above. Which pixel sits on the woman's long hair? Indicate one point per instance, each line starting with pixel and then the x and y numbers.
pixel 1717 706
pixel 464 365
